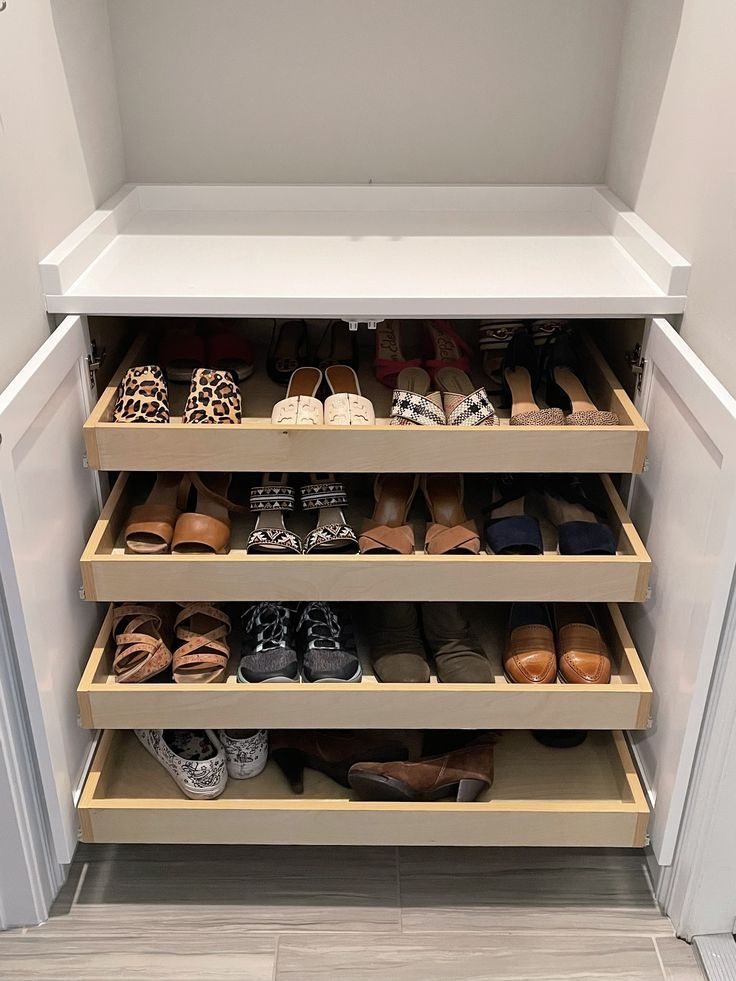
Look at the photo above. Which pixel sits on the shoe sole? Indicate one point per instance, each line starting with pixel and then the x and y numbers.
pixel 336 681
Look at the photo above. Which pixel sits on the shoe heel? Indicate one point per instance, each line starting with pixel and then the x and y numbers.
pixel 468 790
pixel 291 762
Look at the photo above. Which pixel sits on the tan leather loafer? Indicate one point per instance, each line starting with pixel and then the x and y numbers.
pixel 584 658
pixel 530 657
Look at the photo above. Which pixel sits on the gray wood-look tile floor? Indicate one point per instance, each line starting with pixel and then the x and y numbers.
pixel 308 914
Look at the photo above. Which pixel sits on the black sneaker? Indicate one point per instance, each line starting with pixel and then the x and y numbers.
pixel 326 644
pixel 269 653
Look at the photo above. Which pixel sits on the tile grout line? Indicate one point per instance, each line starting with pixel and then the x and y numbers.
pixel 399 908
pixel 274 973
pixel 659 958
pixel 80 884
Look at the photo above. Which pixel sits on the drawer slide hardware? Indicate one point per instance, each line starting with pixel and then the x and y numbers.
pixel 94 363
pixel 637 363
pixel 354 324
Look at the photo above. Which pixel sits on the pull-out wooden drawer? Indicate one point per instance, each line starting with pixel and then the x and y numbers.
pixel 623 704
pixel 109 574
pixel 586 796
pixel 259 446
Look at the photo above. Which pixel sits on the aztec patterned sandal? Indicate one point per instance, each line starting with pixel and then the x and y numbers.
pixel 141 652
pixel 150 527
pixel 347 406
pixel 213 398
pixel 332 534
pixel 270 501
pixel 413 404
pixel 142 396
pixel 465 405
pixel 301 406
pixel 202 657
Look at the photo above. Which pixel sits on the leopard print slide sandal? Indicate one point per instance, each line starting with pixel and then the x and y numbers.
pixel 213 398
pixel 142 396
pixel 204 652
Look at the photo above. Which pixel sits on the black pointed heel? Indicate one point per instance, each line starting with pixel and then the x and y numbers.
pixel 291 763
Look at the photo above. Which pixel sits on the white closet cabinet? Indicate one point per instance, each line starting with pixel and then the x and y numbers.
pixel 364 254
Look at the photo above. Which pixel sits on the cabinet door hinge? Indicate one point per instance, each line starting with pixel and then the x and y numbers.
pixel 637 363
pixel 94 363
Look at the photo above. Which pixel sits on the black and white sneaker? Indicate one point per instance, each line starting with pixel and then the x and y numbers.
pixel 326 644
pixel 269 652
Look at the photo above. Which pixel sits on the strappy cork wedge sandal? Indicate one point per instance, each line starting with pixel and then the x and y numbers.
pixel 388 530
pixel 206 529
pixel 333 533
pixel 270 501
pixel 413 404
pixel 450 531
pixel 150 527
pixel 204 653
pixel 141 651
pixel 464 404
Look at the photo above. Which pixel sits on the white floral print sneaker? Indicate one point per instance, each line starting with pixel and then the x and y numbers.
pixel 193 757
pixel 246 751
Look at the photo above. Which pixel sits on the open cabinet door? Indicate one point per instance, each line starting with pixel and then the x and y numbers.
pixel 684 507
pixel 48 505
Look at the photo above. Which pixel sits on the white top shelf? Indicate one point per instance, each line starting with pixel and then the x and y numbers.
pixel 365 252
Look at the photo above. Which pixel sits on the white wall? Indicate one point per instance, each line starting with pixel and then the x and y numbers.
pixel 60 149
pixel 352 90
pixel 673 154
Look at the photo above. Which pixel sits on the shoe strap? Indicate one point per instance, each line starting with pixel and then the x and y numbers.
pixel 422 410
pixel 193 478
pixel 324 494
pixel 272 497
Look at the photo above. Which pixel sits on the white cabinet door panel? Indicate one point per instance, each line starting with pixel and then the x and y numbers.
pixel 48 505
pixel 684 507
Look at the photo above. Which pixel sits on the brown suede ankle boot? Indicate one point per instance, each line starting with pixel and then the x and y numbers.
pixel 331 752
pixel 464 773
pixel 397 651
pixel 458 656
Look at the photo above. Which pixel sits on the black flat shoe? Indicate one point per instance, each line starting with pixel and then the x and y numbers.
pixel 288 350
pixel 509 530
pixel 574 506
pixel 337 345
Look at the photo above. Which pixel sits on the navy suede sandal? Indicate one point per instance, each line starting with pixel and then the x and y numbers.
pixel 509 530
pixel 580 519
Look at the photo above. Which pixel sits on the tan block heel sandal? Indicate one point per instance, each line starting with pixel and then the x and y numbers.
pixel 450 531
pixel 150 527
pixel 413 404
pixel 203 656
pixel 347 406
pixel 388 531
pixel 141 651
pixel 206 529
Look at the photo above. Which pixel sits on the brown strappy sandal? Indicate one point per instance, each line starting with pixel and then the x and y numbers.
pixel 450 531
pixel 151 525
pixel 387 530
pixel 207 528
pixel 203 657
pixel 141 652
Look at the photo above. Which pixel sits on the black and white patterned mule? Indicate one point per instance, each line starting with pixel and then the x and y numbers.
pixel 332 533
pixel 271 500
